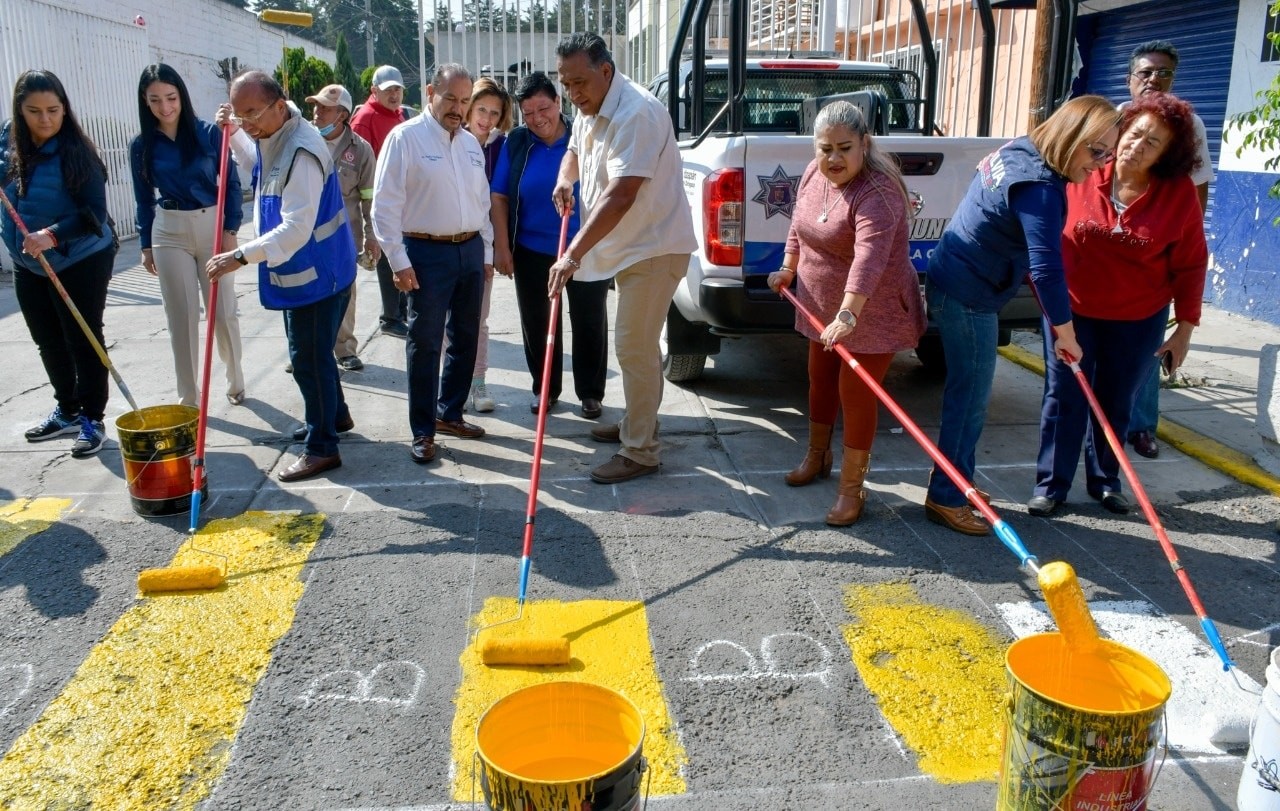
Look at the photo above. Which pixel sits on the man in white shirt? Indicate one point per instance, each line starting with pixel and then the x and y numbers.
pixel 1151 68
pixel 636 229
pixel 303 248
pixel 431 217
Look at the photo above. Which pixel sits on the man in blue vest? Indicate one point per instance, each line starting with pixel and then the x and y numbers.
pixel 303 248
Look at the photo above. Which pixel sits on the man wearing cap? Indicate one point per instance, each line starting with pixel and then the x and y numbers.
pixel 380 114
pixel 354 160
pixel 431 216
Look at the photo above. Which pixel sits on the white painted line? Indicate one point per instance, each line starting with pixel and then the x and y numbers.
pixel 1208 711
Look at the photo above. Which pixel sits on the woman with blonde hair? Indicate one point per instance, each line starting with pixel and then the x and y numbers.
pixel 489 119
pixel 848 256
pixel 1009 225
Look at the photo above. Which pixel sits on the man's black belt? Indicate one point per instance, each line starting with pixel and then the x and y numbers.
pixel 463 237
pixel 174 205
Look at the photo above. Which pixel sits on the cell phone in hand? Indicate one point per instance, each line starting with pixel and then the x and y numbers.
pixel 1166 363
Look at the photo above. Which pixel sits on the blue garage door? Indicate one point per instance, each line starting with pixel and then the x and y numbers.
pixel 1204 32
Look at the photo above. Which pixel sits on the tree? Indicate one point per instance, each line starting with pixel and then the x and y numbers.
pixel 1261 125
pixel 344 73
pixel 306 75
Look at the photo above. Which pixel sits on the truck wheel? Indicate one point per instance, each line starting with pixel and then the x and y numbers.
pixel 683 368
pixel 685 347
pixel 931 356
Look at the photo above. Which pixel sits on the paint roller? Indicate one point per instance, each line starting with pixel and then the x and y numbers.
pixel 1057 580
pixel 279 17
pixel 535 652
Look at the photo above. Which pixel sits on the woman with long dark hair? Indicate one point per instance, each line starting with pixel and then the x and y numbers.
pixel 175 163
pixel 54 177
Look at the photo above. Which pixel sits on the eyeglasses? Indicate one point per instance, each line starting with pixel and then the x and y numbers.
pixel 1162 74
pixel 252 119
pixel 1100 154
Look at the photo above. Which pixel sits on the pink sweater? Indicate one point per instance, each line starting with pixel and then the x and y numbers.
pixel 861 248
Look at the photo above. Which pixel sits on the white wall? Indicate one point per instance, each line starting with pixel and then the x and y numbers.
pixel 1248 76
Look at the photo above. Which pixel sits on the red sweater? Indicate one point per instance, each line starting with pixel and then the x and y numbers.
pixel 1159 254
pixel 372 122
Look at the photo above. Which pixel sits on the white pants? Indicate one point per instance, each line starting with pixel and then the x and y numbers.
pixel 181 245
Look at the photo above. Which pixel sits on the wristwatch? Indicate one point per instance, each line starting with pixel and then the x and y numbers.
pixel 847 318
pixel 239 257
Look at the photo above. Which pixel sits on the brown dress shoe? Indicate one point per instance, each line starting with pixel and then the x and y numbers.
pixel 1145 444
pixel 620 469
pixel 961 519
pixel 461 429
pixel 423 449
pixel 607 433
pixel 307 466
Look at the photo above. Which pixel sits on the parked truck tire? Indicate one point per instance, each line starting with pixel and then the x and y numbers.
pixel 685 347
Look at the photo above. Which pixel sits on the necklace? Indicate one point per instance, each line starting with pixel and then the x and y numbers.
pixel 826 208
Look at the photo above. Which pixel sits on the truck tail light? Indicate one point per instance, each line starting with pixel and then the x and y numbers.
pixel 722 211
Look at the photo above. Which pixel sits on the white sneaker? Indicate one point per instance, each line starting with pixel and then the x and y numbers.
pixel 480 399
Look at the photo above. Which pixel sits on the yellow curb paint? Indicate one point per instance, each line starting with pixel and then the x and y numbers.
pixel 609 647
pixel 937 675
pixel 1230 461
pixel 25 517
pixel 149 718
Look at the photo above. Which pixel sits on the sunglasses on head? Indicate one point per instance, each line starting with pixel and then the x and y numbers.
pixel 1147 73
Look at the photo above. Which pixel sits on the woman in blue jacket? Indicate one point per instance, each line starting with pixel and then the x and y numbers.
pixel 1008 226
pixel 54 177
pixel 175 184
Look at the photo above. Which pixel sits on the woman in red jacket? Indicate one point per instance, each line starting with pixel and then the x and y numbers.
pixel 1133 243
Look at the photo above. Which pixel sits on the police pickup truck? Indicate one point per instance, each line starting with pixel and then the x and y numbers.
pixel 742 164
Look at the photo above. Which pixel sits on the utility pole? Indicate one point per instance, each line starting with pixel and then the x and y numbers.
pixel 1042 68
pixel 368 33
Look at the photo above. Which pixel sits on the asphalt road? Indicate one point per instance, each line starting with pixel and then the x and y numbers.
pixel 780 663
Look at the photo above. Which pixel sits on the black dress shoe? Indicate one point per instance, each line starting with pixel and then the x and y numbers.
pixel 461 429
pixel 591 409
pixel 344 425
pixel 307 466
pixel 1043 506
pixel 1114 502
pixel 1144 444
pixel 535 402
pixel 423 449
pixel 396 329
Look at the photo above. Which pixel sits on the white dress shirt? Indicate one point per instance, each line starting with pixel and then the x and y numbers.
pixel 428 182
pixel 299 203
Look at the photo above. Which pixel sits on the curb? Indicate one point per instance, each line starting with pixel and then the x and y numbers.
pixel 1211 452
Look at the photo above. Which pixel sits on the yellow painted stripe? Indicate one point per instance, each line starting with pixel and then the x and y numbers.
pixel 148 720
pixel 25 517
pixel 937 674
pixel 1230 461
pixel 609 643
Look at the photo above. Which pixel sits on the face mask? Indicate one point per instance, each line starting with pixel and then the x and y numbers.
pixel 326 130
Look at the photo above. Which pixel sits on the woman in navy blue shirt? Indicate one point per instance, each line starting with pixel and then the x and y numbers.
pixel 54 177
pixel 1008 226
pixel 526 236
pixel 175 183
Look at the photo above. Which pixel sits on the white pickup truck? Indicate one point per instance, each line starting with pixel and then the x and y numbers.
pixel 742 166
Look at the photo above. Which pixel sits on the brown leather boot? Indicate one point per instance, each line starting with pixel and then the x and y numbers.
pixel 850 497
pixel 817 460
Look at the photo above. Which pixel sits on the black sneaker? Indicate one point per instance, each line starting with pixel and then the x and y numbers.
pixel 56 424
pixel 396 329
pixel 89 442
pixel 351 363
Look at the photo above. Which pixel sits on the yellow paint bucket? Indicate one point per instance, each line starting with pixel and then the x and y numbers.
pixel 1082 727
pixel 158 443
pixel 561 746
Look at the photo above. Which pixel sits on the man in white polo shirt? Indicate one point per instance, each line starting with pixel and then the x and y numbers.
pixel 431 217
pixel 636 229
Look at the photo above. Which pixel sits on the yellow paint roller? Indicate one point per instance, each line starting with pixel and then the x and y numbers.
pixel 273 15
pixel 532 652
pixel 1066 603
pixel 184 578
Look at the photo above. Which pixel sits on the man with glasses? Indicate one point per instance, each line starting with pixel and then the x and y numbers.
pixel 1151 70
pixel 431 217
pixel 303 248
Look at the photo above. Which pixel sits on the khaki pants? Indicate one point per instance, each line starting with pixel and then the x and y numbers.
pixel 644 293
pixel 347 343
pixel 181 244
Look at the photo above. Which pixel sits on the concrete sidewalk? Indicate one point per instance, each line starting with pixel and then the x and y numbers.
pixel 1210 412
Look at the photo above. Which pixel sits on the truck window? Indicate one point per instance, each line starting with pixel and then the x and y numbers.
pixel 774 97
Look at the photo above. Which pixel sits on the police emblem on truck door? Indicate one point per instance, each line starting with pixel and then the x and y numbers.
pixel 777 193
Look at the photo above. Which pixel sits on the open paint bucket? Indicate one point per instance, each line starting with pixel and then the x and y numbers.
pixel 561 746
pixel 1082 728
pixel 158 443
pixel 1260 780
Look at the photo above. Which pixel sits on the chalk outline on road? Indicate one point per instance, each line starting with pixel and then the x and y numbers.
pixel 22 691
pixel 767 656
pixel 364 685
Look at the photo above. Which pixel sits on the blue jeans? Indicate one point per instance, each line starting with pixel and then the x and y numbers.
pixel 449 294
pixel 1146 408
pixel 1118 357
pixel 969 339
pixel 311 331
